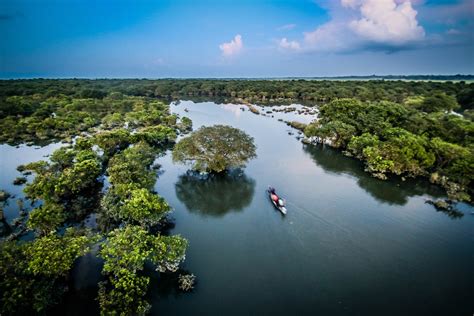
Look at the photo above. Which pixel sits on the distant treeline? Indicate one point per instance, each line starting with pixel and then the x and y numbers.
pixel 457 77
pixel 407 128
pixel 257 91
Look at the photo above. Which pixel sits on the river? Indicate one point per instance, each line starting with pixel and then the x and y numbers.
pixel 349 245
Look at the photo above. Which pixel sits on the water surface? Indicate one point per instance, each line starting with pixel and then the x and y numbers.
pixel 350 244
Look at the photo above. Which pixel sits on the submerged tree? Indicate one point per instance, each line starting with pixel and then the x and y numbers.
pixel 215 149
pixel 125 253
pixel 33 274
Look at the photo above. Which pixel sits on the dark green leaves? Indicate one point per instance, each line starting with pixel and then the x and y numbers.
pixel 215 149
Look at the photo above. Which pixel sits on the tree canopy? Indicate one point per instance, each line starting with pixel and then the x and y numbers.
pixel 117 136
pixel 215 149
pixel 417 138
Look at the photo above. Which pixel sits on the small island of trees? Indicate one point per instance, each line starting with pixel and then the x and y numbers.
pixel 215 149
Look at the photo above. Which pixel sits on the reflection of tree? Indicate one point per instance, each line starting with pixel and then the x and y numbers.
pixel 447 207
pixel 216 195
pixel 393 191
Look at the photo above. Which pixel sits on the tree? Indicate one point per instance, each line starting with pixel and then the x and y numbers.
pixel 70 172
pixel 53 255
pixel 439 101
pixel 132 166
pixel 46 218
pixel 401 153
pixel 125 253
pixel 215 149
pixel 338 132
pixel 113 141
pixel 155 135
pixel 133 205
pixel 32 274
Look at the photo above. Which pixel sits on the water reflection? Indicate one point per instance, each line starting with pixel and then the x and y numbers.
pixel 393 191
pixel 217 195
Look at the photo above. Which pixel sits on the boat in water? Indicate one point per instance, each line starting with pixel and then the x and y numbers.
pixel 277 201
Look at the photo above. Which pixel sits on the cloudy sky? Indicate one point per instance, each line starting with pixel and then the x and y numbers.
pixel 231 38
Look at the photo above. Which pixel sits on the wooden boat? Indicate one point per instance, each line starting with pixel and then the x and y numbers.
pixel 279 204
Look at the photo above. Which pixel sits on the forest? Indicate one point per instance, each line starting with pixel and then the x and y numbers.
pixel 117 137
pixel 254 91
pixel 115 129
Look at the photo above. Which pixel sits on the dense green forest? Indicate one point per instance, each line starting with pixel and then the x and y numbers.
pixel 419 137
pixel 116 129
pixel 43 109
pixel 132 220
pixel 259 91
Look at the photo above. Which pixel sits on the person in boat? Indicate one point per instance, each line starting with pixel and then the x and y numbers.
pixel 275 198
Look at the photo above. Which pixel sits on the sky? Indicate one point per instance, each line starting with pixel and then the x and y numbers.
pixel 231 38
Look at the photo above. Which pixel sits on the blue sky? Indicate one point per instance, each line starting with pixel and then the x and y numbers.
pixel 211 38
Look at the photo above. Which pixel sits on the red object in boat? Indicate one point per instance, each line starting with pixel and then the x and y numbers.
pixel 275 197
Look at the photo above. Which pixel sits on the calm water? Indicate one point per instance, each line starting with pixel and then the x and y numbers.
pixel 350 244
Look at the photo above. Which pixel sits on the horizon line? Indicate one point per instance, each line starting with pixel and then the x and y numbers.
pixel 375 76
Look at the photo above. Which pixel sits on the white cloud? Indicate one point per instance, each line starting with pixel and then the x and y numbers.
pixel 286 27
pixel 232 48
pixel 383 21
pixel 332 36
pixel 284 44
pixel 358 24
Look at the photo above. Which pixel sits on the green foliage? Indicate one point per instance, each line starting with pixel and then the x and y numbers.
pixel 215 148
pixel 32 274
pixel 414 101
pixel 466 98
pixel 185 125
pixel 23 293
pixel 81 176
pixel 403 140
pixel 454 161
pixel 113 120
pixel 62 158
pixel 123 127
pixel 46 218
pixel 357 144
pixel 114 141
pixel 401 153
pixel 129 204
pixel 364 117
pixel 339 133
pixel 132 166
pixel 155 135
pixel 437 102
pixel 144 207
pixel 409 152
pixel 53 255
pixel 70 172
pixel 42 118
pixel 123 295
pixel 125 253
